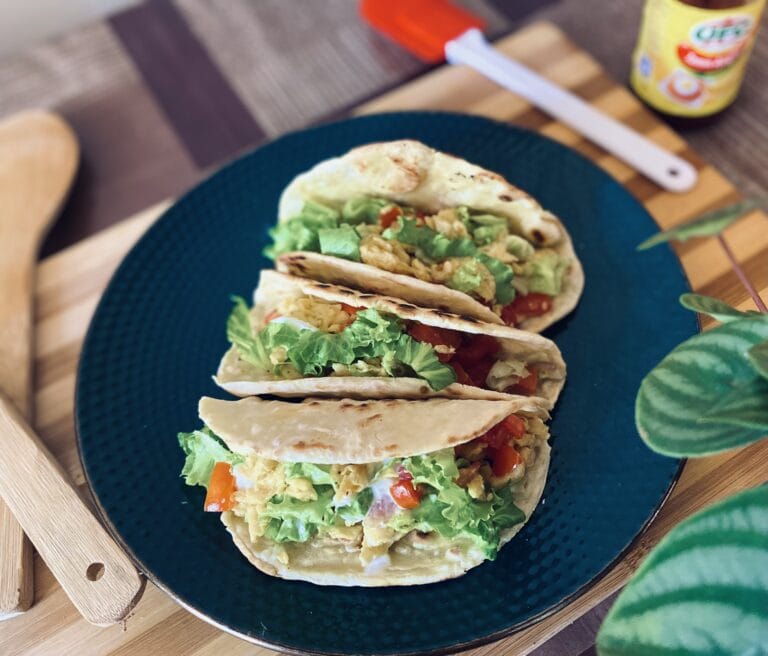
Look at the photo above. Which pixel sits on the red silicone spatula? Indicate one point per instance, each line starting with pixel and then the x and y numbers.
pixel 434 30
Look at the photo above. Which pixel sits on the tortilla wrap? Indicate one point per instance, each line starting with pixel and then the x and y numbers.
pixel 411 173
pixel 358 431
pixel 241 378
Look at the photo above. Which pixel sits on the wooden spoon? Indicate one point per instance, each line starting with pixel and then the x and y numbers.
pixel 38 160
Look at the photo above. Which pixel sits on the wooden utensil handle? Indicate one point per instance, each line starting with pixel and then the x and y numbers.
pixel 96 574
pixel 16 274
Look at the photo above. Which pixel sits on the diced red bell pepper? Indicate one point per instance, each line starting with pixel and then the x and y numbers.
pixel 504 459
pixel 433 335
pixel 461 375
pixel 515 426
pixel 478 371
pixel 389 215
pixel 527 305
pixel 525 386
pixel 221 489
pixel 476 348
pixel 405 494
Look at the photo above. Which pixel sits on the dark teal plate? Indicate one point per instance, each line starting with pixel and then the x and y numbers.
pixel 158 334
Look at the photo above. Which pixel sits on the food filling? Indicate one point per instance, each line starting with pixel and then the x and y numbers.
pixel 466 492
pixel 309 337
pixel 471 252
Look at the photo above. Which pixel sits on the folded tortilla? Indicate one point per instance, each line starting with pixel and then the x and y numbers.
pixel 372 435
pixel 520 352
pixel 412 174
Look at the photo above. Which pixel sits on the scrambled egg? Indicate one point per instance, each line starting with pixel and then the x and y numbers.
pixel 267 478
pixel 447 222
pixel 349 480
pixel 325 316
pixel 386 254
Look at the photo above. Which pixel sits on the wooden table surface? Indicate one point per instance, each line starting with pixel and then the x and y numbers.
pixel 161 94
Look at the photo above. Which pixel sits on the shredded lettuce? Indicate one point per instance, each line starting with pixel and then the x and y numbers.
pixel 448 508
pixel 544 273
pixel 520 247
pixel 435 245
pixel 363 210
pixel 240 334
pixel 314 353
pixel 293 520
pixel 322 229
pixel 468 277
pixel 341 242
pixel 503 276
pixel 203 450
pixel 317 474
pixel 422 358
pixel 355 510
pixel 300 233
pixel 487 234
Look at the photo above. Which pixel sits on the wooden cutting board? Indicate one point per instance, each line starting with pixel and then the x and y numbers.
pixel 70 283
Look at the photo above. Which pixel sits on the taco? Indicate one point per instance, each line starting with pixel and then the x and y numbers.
pixel 370 493
pixel 404 220
pixel 304 338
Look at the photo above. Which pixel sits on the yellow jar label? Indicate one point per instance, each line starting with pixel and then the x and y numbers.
pixel 690 61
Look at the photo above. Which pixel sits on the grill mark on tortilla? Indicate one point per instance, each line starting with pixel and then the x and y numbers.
pixel 302 445
pixel 505 197
pixel 370 420
pixel 390 447
pixel 537 236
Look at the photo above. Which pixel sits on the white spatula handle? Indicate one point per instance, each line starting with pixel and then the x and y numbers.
pixel 661 166
pixel 95 573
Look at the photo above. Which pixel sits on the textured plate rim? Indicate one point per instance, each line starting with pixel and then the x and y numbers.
pixel 285 648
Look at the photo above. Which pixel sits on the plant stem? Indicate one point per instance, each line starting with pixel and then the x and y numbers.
pixel 742 276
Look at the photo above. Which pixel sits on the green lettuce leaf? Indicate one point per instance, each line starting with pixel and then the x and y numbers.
pixel 203 450
pixel 300 233
pixel 435 245
pixel 487 234
pixel 317 474
pixel 503 276
pixel 341 242
pixel 315 351
pixel 354 512
pixel 371 329
pixel 520 247
pixel 544 273
pixel 363 210
pixel 240 334
pixel 372 336
pixel 448 508
pixel 422 358
pixel 292 520
pixel 468 277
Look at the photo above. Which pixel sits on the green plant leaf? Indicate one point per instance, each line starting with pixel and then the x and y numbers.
pixel 711 223
pixel 702 591
pixel 714 307
pixel 686 385
pixel 758 356
pixel 745 405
